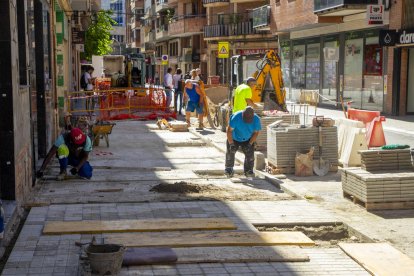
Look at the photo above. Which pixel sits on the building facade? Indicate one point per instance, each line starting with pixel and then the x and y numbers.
pixel 334 49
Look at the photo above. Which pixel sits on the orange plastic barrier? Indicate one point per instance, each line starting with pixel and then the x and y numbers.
pixel 373 123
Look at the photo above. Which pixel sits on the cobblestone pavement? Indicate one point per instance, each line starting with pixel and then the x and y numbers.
pixel 138 159
pixel 393 226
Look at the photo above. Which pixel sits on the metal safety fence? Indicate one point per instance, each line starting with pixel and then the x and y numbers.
pixel 118 103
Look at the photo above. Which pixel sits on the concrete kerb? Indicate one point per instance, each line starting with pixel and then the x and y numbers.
pixel 268 177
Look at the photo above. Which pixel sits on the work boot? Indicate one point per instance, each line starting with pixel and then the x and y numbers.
pixel 61 176
pixel 229 172
pixel 249 174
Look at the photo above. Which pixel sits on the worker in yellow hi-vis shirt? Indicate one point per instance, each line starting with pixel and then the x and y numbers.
pixel 243 95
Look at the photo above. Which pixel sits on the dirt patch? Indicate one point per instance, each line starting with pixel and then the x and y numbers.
pixel 324 235
pixel 194 191
pixel 183 187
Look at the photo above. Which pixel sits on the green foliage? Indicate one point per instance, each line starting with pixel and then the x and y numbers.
pixel 98 40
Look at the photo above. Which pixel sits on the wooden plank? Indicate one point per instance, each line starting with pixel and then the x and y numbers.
pixel 379 258
pixel 238 254
pixel 144 225
pixel 201 239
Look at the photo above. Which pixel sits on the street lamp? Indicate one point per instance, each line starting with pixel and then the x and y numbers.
pixel 119 45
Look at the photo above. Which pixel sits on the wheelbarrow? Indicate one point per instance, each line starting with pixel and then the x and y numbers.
pixel 101 130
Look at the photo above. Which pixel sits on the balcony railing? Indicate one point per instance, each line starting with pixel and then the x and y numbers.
pixel 162 32
pixel 215 3
pixel 236 29
pixel 261 17
pixel 187 24
pixel 149 37
pixel 137 4
pixel 326 5
pixel 229 25
pixel 161 5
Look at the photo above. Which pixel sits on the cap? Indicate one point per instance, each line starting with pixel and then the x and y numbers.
pixel 77 136
pixel 248 114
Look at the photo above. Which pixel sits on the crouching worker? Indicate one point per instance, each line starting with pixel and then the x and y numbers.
pixel 243 129
pixel 71 148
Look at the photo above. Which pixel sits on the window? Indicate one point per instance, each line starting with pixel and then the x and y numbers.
pixel 173 49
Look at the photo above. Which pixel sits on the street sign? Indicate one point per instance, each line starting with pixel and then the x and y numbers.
pixel 223 49
pixel 164 60
pixel 78 37
pixel 375 14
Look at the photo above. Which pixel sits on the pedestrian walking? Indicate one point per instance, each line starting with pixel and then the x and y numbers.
pixel 194 98
pixel 168 86
pixel 242 132
pixel 178 91
pixel 71 148
pixel 243 95
pixel 194 75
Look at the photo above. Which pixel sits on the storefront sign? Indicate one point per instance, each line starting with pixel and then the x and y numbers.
pixel 392 37
pixel 78 37
pixel 249 52
pixel 375 14
pixel 223 49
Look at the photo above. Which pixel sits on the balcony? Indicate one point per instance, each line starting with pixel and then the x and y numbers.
pixel 246 1
pixel 149 37
pixel 135 23
pixel 187 25
pixel 229 30
pixel 162 33
pixel 261 18
pixel 161 5
pixel 215 3
pixel 341 7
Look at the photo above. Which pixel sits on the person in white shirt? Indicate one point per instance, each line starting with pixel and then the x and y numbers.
pixel 178 90
pixel 194 75
pixel 90 100
pixel 168 85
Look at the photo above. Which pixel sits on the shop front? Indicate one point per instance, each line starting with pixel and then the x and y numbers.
pixel 349 64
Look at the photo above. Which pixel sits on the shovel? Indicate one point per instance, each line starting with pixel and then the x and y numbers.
pixel 321 166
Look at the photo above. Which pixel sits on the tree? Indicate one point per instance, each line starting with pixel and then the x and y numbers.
pixel 98 39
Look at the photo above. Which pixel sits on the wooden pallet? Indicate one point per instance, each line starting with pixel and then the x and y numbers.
pixel 279 170
pixel 397 205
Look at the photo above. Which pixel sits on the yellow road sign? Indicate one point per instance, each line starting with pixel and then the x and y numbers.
pixel 223 49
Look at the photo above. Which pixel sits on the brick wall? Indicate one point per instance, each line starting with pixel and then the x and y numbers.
pixel 292 14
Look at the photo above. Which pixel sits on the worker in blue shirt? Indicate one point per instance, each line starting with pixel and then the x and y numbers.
pixel 242 133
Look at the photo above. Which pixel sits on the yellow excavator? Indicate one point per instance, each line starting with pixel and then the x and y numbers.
pixel 269 89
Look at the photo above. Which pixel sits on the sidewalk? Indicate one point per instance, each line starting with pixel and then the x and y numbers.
pixel 393 226
pixel 127 184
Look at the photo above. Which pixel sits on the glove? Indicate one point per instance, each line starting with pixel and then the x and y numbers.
pixel 232 148
pixel 39 174
pixel 74 171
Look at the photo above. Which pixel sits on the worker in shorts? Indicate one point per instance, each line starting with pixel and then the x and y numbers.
pixel 194 98
pixel 242 132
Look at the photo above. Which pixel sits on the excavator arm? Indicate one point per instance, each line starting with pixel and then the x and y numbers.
pixel 270 66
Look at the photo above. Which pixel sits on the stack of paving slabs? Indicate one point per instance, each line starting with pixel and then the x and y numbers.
pixel 284 142
pixel 286 119
pixel 379 190
pixel 380 160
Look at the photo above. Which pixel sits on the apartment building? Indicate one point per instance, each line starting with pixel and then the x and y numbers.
pixel 134 15
pixel 244 24
pixel 331 47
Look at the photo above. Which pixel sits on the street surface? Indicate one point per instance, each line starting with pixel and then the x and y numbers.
pixel 149 173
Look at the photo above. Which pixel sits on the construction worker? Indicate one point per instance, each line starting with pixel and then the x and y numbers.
pixel 194 98
pixel 71 148
pixel 243 95
pixel 242 132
